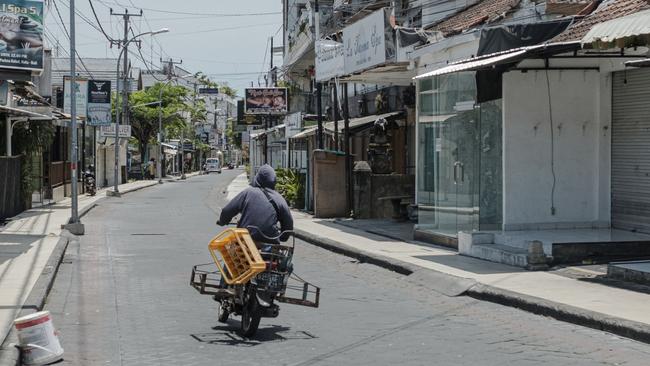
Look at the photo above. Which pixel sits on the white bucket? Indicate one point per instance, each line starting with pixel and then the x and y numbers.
pixel 38 339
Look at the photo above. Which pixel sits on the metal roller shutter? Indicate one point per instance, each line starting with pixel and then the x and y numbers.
pixel 631 150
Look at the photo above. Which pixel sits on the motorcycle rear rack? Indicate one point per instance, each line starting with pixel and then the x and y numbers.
pixel 301 293
pixel 205 281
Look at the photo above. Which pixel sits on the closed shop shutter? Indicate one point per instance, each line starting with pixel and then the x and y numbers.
pixel 631 150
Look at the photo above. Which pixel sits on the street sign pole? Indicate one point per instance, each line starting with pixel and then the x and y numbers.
pixel 74 225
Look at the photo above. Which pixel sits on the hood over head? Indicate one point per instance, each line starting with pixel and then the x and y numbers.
pixel 265 177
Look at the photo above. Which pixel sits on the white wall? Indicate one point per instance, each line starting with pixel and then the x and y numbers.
pixel 580 101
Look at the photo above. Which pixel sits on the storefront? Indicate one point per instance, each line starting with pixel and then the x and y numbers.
pixel 630 154
pixel 459 156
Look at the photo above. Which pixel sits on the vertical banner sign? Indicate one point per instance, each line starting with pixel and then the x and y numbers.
pixel 21 34
pixel 99 103
pixel 81 90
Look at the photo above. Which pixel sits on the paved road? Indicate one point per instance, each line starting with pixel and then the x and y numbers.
pixel 122 298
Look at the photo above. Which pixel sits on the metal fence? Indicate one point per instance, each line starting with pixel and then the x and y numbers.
pixel 11 202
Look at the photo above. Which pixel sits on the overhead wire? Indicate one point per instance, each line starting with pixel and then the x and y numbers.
pixel 67 34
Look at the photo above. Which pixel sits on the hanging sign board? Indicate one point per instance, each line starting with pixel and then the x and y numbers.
pixel 208 91
pixel 21 34
pixel 99 103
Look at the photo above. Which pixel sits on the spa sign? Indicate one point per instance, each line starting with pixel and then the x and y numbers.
pixel 266 101
pixel 21 34
pixel 368 42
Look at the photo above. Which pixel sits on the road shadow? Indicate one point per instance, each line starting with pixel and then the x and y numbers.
pixel 230 335
pixel 13 245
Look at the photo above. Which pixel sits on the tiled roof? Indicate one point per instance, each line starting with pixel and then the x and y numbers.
pixel 485 11
pixel 566 7
pixel 606 11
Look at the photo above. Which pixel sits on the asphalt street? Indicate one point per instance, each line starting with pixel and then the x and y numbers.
pixel 122 297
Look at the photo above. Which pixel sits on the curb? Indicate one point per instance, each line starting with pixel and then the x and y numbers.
pixel 349 251
pixel 566 313
pixel 455 286
pixel 10 354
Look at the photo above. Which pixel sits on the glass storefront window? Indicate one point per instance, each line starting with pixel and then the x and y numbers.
pixel 459 156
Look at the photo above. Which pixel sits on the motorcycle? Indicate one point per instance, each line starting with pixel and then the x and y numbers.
pixel 258 297
pixel 89 181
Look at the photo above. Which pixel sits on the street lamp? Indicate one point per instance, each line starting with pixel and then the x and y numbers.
pixel 116 191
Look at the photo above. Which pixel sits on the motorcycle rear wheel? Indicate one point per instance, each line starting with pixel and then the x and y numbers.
pixel 250 317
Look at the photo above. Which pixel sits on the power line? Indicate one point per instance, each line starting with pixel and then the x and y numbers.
pixel 200 14
pixel 67 34
pixel 222 29
pixel 92 7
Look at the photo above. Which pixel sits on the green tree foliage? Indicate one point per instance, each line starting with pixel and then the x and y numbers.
pixel 223 88
pixel 177 105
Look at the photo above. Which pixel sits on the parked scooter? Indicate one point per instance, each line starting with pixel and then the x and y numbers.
pixel 89 181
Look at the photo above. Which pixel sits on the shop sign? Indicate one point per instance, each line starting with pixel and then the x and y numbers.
pixel 266 101
pixel 293 123
pixel 21 34
pixel 109 131
pixel 81 95
pixel 99 102
pixel 208 91
pixel 369 42
pixel 330 60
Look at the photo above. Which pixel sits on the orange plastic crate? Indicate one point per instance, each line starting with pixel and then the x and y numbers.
pixel 235 249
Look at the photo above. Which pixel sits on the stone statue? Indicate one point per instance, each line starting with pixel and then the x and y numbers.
pixel 380 153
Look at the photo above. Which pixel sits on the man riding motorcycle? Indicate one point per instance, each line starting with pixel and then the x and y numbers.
pixel 261 208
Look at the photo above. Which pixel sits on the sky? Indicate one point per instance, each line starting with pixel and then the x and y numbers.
pixel 203 34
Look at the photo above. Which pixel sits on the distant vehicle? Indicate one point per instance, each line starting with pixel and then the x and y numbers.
pixel 212 165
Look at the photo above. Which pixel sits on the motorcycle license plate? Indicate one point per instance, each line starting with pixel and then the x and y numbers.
pixel 270 280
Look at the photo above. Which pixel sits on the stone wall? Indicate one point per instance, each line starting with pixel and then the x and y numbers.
pixel 369 188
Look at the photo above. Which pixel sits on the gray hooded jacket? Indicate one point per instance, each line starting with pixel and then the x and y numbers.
pixel 256 210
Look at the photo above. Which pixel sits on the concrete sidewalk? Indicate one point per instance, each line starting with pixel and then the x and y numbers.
pixel 31 247
pixel 595 305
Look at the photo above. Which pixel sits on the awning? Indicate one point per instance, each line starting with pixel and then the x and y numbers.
pixel 306 133
pixel 360 122
pixel 17 112
pixel 620 32
pixel 503 58
pixel 354 123
pixel 638 63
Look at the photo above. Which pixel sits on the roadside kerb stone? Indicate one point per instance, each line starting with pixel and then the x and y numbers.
pixel 9 353
pixel 455 286
pixel 570 314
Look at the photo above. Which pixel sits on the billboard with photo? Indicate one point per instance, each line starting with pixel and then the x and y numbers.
pixel 99 103
pixel 21 34
pixel 266 101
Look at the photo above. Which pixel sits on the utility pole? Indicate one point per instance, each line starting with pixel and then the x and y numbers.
pixel 159 164
pixel 74 225
pixel 319 106
pixel 125 94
